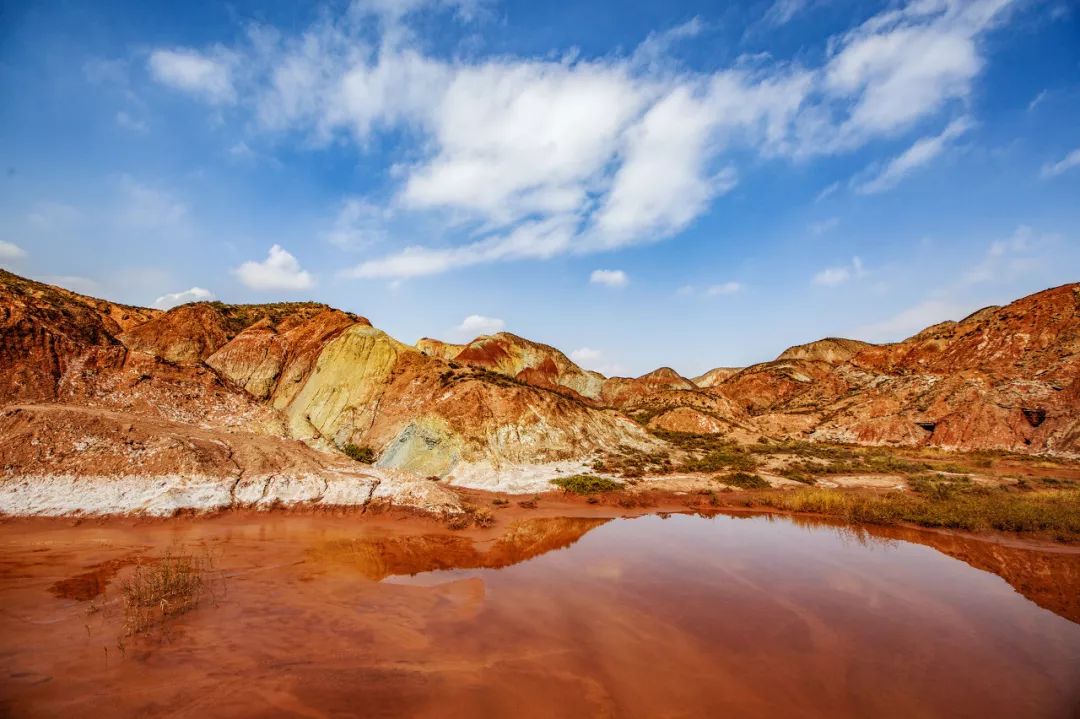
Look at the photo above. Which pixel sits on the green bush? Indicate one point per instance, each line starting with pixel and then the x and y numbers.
pixel 360 454
pixel 744 480
pixel 587 484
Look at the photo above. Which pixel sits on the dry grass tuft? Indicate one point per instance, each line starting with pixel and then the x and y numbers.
pixel 165 588
pixel 1055 512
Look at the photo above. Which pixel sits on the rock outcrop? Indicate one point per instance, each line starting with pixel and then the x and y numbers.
pixel 211 405
pixel 530 362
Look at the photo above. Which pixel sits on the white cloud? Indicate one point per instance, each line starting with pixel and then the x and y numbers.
pixel 833 276
pixel 726 288
pixel 195 294
pixel 912 320
pixel 279 271
pixel 1036 101
pixel 534 240
pixel 207 77
pixel 11 251
pixel 475 325
pixel 358 224
pixel 1053 169
pixel 585 354
pixel 241 151
pixel 149 208
pixel 919 154
pixel 611 278
pixel 1009 258
pixel 905 64
pixel 782 11
pixel 827 191
pixel 527 158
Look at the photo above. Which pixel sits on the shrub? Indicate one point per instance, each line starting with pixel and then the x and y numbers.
pixel 587 484
pixel 360 454
pixel 744 480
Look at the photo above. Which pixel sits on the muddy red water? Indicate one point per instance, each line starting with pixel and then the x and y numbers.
pixel 647 617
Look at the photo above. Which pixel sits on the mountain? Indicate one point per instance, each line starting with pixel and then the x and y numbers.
pixel 214 405
pixel 530 362
pixel 238 385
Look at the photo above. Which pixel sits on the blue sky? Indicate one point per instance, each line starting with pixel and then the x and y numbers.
pixel 639 184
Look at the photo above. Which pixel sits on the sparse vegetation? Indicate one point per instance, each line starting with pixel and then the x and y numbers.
pixel 472 516
pixel 360 454
pixel 972 508
pixel 744 480
pixel 587 484
pixel 164 588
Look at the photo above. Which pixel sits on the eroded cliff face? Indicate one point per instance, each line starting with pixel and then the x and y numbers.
pixel 212 377
pixel 278 390
pixel 425 416
pixel 1003 378
pixel 530 362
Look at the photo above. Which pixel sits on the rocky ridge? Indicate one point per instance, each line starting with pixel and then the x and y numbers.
pixel 93 392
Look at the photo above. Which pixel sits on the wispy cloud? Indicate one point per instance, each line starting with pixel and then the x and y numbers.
pixel 724 288
pixel 1070 161
pixel 11 251
pixel 195 294
pixel 918 155
pixel 913 319
pixel 833 276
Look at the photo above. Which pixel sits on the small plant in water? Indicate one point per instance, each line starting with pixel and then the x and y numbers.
pixel 165 588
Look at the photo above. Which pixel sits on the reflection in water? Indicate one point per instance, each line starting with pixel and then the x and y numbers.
pixel 748 615
pixel 1047 577
pixel 384 556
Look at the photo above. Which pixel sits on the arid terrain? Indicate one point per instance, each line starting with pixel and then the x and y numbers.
pixel 106 408
pixel 487 528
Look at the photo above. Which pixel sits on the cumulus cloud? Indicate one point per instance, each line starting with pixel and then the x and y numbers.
pixel 1053 169
pixel 195 294
pixel 279 271
pixel 610 278
pixel 526 158
pixel 833 276
pixel 919 154
pixel 11 251
pixel 204 75
pixel 475 325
